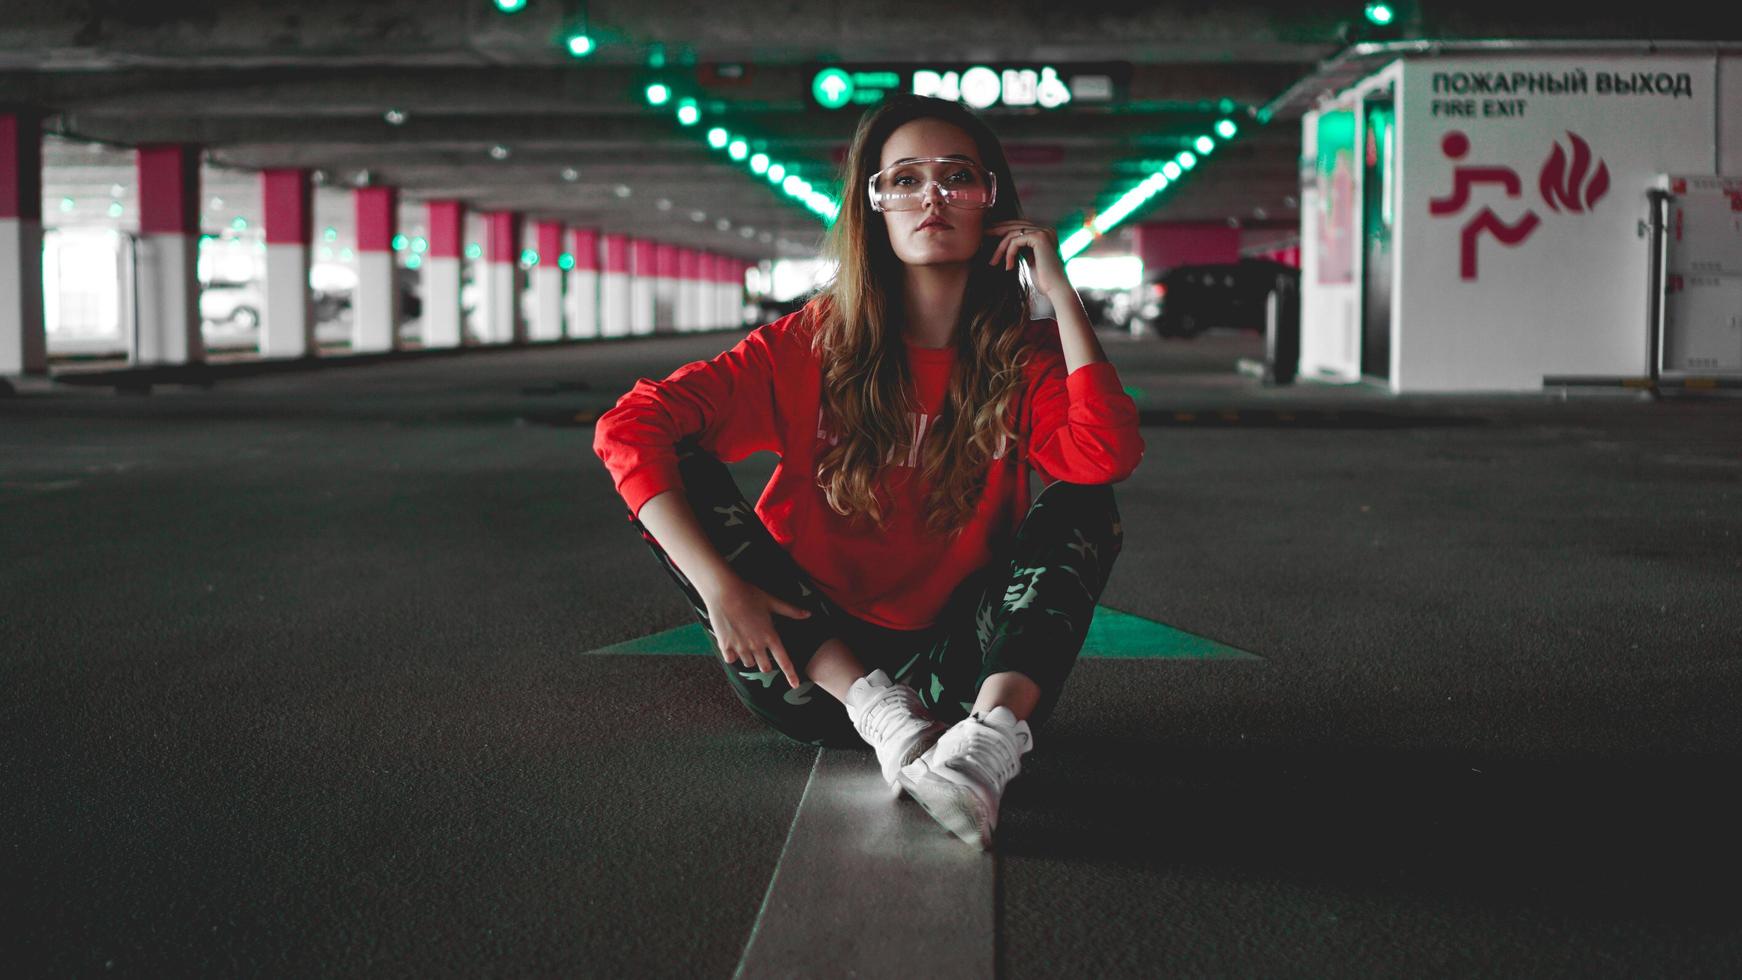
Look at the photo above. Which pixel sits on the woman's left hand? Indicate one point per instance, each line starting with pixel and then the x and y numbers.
pixel 1044 262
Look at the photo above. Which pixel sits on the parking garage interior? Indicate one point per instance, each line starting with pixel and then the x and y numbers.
pixel 326 647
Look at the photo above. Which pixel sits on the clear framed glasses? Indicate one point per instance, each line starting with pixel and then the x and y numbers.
pixel 962 183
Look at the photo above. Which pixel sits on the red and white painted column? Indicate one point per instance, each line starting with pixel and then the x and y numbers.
pixel 375 306
pixel 689 290
pixel 167 257
pixel 641 292
pixel 583 292
pixel 23 332
pixel 288 328
pixel 547 281
pixel 717 291
pixel 443 321
pixel 722 307
pixel 615 288
pixel 731 292
pixel 665 287
pixel 707 291
pixel 502 322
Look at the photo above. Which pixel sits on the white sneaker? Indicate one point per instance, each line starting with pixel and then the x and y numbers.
pixel 960 780
pixel 890 717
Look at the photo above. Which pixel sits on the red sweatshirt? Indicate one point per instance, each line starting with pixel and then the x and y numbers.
pixel 765 394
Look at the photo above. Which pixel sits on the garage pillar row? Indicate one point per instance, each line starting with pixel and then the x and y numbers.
pixel 168 256
pixel 502 322
pixel 615 291
pixel 547 281
pixel 375 311
pixel 443 316
pixel 23 333
pixel 583 291
pixel 287 325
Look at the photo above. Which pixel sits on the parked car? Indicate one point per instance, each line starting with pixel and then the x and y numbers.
pixel 768 309
pixel 232 304
pixel 1187 300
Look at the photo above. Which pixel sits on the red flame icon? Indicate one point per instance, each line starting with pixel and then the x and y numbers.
pixel 1567 186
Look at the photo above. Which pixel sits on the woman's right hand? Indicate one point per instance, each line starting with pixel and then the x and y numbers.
pixel 742 617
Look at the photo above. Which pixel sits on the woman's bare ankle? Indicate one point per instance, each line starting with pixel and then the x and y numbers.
pixel 834 668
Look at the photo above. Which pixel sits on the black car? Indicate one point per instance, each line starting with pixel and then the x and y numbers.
pixel 1187 300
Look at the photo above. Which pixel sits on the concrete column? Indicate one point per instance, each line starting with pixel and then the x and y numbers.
pixel 23 332
pixel 732 292
pixel 642 269
pixel 547 281
pixel 664 286
pixel 288 329
pixel 707 292
pixel 679 314
pixel 503 323
pixel 583 298
pixel 689 289
pixel 443 321
pixel 375 307
pixel 168 255
pixel 615 288
pixel 717 292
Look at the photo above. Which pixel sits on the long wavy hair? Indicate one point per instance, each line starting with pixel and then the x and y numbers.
pixel 866 392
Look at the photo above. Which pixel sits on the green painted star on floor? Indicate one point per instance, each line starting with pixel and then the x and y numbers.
pixel 1111 634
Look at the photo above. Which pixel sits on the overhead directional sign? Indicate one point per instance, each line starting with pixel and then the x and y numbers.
pixel 981 86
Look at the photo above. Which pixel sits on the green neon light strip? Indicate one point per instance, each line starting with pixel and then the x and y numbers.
pixel 1073 241
pixel 687 110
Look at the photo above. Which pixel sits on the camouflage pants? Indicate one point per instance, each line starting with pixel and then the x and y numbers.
pixel 1027 611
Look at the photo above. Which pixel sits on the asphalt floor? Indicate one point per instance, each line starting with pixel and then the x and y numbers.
pixel 297 677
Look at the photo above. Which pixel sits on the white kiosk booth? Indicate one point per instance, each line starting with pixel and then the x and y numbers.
pixel 1481 216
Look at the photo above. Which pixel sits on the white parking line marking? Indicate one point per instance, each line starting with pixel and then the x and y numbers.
pixel 870 885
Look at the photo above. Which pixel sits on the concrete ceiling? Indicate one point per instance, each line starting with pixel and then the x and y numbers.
pixel 311 84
